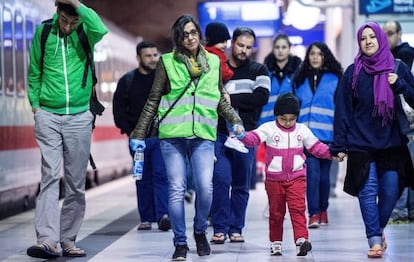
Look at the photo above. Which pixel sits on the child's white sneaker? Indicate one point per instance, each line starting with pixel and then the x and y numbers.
pixel 303 246
pixel 234 143
pixel 276 248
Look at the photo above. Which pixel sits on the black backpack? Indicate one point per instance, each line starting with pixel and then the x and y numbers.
pixel 95 106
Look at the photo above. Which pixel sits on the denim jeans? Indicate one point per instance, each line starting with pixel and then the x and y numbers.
pixel 231 182
pixel 152 189
pixel 200 152
pixel 376 200
pixel 318 184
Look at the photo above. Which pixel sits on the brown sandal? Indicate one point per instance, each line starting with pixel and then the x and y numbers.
pixel 375 251
pixel 218 238
pixel 236 238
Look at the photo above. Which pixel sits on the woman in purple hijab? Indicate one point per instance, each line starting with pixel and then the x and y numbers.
pixel 365 128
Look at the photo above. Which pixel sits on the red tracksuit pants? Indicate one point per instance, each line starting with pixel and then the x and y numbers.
pixel 293 194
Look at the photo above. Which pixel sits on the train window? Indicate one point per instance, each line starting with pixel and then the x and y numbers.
pixel 8 50
pixel 19 57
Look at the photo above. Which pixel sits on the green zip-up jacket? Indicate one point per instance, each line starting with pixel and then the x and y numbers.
pixel 59 89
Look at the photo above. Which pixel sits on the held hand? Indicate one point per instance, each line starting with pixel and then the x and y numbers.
pixel 239 131
pixel 340 157
pixel 392 78
pixel 135 143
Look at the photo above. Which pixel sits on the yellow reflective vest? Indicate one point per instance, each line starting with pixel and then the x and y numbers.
pixel 195 114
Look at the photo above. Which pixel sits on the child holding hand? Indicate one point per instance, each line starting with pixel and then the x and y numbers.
pixel 286 170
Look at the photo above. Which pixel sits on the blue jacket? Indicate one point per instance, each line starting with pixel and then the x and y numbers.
pixel 317 109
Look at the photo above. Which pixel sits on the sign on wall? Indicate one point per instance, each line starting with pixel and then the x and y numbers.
pixel 370 7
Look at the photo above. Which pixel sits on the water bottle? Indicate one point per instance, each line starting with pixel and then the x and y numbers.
pixel 138 164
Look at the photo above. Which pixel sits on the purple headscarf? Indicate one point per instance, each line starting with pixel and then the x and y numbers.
pixel 379 64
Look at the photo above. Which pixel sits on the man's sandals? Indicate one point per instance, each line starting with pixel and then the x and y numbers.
pixel 236 238
pixel 43 250
pixel 218 238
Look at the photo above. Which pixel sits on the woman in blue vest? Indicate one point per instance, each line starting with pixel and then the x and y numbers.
pixel 281 65
pixel 315 84
pixel 188 95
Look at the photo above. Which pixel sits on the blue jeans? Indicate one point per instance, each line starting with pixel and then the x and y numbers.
pixel 152 190
pixel 228 210
pixel 404 208
pixel 200 152
pixel 318 184
pixel 376 200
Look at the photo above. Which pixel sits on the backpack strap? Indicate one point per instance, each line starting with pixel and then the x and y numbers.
pixel 45 33
pixel 89 58
pixel 397 62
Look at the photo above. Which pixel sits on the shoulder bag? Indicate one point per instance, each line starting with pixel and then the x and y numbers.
pixel 404 111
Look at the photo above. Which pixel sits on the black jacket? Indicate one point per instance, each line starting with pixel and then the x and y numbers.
pixel 129 99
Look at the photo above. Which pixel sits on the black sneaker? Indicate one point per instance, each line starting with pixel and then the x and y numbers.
pixel 203 247
pixel 180 253
pixel 164 224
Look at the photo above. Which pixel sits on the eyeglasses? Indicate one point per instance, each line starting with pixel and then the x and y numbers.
pixel 390 33
pixel 193 33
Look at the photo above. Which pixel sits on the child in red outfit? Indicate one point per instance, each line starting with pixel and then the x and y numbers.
pixel 217 35
pixel 286 170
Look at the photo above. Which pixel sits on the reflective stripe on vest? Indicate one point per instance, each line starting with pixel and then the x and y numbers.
pixel 195 114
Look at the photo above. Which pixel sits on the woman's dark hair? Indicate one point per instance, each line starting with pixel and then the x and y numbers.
pixel 178 31
pixel 270 59
pixel 330 64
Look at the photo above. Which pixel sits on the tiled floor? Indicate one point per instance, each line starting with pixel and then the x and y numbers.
pixel 109 233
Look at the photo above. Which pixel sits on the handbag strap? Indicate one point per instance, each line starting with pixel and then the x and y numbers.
pixel 175 102
pixel 397 65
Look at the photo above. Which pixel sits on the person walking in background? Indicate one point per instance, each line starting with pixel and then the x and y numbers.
pixel 404 209
pixel 286 170
pixel 315 84
pixel 217 35
pixel 191 76
pixel 129 99
pixel 281 65
pixel 366 129
pixel 63 125
pixel 249 91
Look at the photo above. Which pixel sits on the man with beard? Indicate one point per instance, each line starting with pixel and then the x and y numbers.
pixel 129 99
pixel 249 90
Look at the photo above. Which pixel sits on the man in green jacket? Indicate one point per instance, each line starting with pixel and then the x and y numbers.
pixel 63 124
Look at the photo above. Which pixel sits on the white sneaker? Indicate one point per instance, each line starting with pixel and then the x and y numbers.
pixel 276 248
pixel 234 143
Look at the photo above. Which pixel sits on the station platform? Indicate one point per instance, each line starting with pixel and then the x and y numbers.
pixel 109 233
